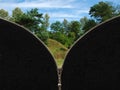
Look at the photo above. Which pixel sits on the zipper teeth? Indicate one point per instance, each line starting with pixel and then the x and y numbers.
pixel 59 78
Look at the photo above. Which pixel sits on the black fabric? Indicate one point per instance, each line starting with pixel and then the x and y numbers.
pixel 25 63
pixel 93 63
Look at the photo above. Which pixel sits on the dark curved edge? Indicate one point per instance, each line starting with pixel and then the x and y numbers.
pixel 90 31
pixel 25 62
pixel 82 58
pixel 34 36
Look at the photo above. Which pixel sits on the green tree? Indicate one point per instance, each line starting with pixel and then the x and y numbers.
pixel 3 14
pixel 75 27
pixel 58 32
pixel 57 27
pixel 44 34
pixel 83 21
pixel 65 26
pixel 89 24
pixel 33 20
pixel 102 11
pixel 71 39
pixel 46 21
pixel 16 14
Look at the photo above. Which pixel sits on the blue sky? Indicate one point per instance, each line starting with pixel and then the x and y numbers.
pixel 57 9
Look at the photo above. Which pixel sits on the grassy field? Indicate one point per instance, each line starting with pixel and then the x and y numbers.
pixel 58 51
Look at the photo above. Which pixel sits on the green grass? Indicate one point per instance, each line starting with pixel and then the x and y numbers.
pixel 57 50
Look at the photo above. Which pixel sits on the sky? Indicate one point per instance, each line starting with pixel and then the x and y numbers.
pixel 58 10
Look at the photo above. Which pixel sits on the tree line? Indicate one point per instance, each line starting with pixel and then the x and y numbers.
pixel 65 32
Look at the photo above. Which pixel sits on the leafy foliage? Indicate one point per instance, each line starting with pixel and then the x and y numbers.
pixel 16 14
pixel 89 24
pixel 66 32
pixel 3 14
pixel 74 27
pixel 102 11
pixel 32 20
pixel 57 27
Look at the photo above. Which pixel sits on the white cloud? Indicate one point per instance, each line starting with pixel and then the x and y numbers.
pixel 74 14
pixel 61 15
pixel 82 11
pixel 69 9
pixel 38 4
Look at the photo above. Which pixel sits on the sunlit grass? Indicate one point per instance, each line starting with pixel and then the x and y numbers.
pixel 58 51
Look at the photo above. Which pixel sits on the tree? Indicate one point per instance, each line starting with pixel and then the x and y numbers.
pixel 43 32
pixel 89 24
pixel 83 21
pixel 57 32
pixel 57 27
pixel 65 26
pixel 3 14
pixel 43 35
pixel 16 14
pixel 46 21
pixel 33 20
pixel 60 32
pixel 74 27
pixel 102 11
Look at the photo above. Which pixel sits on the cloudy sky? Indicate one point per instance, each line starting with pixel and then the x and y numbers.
pixel 57 9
